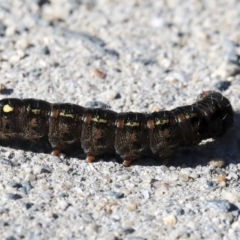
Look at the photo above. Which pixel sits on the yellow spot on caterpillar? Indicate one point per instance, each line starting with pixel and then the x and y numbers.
pixel 192 115
pixel 99 120
pixel 63 114
pixel 211 109
pixel 161 122
pixel 7 108
pixel 36 111
pixel 132 124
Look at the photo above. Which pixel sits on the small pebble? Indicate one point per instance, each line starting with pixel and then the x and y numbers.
pixel 28 205
pixel 170 220
pixel 216 163
pixel 145 62
pixel 180 212
pixel 156 183
pixel 231 197
pixel 6 162
pixel 211 184
pixel 37 169
pixel 233 175
pixel 10 31
pixel 47 170
pixel 40 3
pixel 27 185
pixel 26 168
pixel 227 70
pixel 111 52
pixel 22 43
pixel 98 73
pixel 177 76
pixel 132 206
pixel 160 192
pixel 2 29
pixel 13 196
pixel 45 194
pixel 184 177
pixel 115 195
pixel 136 238
pixel 148 217
pixel 23 190
pixel 30 177
pixel 232 57
pixel 10 238
pixel 222 85
pixel 145 193
pixel 91 228
pixel 97 104
pixel 220 205
pixel 14 184
pixel 45 50
pixel 123 177
pixel 128 230
pixel 36 72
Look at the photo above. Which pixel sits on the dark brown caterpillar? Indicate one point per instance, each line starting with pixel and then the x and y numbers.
pixel 101 131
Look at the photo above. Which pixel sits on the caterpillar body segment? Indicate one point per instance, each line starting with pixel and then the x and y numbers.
pixel 100 131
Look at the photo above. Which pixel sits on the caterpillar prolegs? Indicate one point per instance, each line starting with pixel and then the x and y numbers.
pixel 100 131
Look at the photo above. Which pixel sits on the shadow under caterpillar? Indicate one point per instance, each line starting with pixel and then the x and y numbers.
pixel 101 131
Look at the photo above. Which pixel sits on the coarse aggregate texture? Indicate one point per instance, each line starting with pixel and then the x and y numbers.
pixel 133 55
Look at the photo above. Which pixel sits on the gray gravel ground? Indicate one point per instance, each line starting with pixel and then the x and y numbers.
pixel 133 55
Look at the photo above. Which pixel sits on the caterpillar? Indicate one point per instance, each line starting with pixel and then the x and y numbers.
pixel 99 131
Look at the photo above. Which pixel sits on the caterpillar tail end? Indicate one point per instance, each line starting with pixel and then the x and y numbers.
pixel 127 163
pixel 90 159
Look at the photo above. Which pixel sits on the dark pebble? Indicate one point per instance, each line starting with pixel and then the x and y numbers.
pixel 112 53
pixel 36 72
pixel 221 205
pixel 211 183
pixel 6 162
pixel 7 91
pixel 186 235
pixel 137 238
pixel 10 238
pixel 128 230
pixel 97 43
pixel 55 216
pixel 145 62
pixel 116 185
pixel 63 195
pixel 232 57
pixel 222 85
pixel 27 186
pixel 180 212
pixel 97 104
pixel 116 195
pixel 23 190
pixel 135 173
pixel 13 196
pixel 28 205
pixel 46 50
pixel 87 217
pixel 45 170
pixel 2 29
pixel 14 184
pixel 40 3
pixel 117 70
pixel 87 38
pixel 229 44
pixel 118 95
